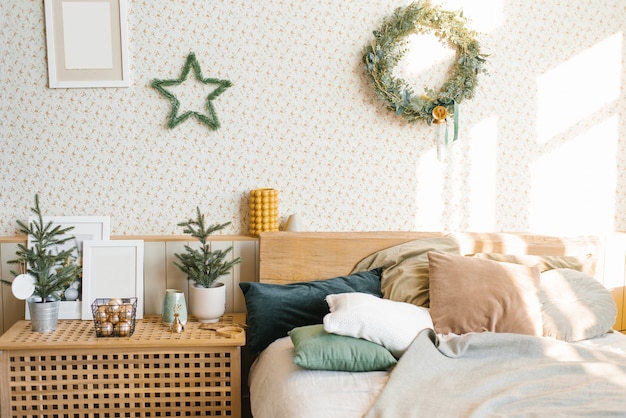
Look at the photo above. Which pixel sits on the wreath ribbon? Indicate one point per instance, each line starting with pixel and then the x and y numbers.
pixel 440 114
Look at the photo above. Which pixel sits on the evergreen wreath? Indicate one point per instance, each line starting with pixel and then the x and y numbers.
pixel 386 50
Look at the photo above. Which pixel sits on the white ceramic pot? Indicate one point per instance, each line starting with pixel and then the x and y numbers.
pixel 207 304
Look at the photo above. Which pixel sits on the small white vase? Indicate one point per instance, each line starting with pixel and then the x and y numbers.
pixel 294 223
pixel 207 305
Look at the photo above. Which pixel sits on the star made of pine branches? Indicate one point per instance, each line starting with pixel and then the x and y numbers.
pixel 210 119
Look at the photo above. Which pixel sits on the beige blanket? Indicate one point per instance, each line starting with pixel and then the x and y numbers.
pixel 504 375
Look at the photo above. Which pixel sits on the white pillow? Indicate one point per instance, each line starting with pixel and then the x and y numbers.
pixel 574 305
pixel 391 324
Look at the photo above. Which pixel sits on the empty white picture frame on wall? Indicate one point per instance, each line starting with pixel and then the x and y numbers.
pixel 112 269
pixel 87 43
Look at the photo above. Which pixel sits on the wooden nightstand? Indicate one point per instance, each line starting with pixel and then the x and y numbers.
pixel 154 373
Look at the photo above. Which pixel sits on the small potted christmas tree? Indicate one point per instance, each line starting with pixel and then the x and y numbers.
pixel 203 267
pixel 46 266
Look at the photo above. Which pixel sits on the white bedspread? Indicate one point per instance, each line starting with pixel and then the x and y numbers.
pixel 506 375
pixel 436 386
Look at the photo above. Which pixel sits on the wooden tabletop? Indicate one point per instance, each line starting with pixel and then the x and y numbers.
pixel 150 332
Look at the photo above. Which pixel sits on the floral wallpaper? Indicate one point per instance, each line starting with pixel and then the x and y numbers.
pixel 542 145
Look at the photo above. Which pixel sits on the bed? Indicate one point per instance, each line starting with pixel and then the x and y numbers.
pixel 377 324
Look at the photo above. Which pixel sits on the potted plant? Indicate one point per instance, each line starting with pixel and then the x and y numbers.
pixel 46 266
pixel 203 267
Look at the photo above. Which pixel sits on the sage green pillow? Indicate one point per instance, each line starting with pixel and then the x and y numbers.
pixel 317 349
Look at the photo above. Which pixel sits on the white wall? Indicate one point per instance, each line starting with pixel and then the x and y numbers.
pixel 542 146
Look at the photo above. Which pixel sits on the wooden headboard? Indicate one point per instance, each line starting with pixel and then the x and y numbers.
pixel 301 256
pixel 287 257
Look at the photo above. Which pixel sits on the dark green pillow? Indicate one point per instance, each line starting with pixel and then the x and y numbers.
pixel 275 309
pixel 317 349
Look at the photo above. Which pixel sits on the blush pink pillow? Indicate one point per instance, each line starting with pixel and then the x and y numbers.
pixel 475 295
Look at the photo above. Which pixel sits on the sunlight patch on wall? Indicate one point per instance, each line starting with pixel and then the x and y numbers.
pixel 484 16
pixel 566 194
pixel 428 199
pixel 579 87
pixel 482 176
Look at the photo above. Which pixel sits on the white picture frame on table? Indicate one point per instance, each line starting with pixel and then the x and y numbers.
pixel 85 228
pixel 112 269
pixel 87 43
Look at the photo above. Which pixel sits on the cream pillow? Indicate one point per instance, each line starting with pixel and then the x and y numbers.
pixel 474 295
pixel 391 324
pixel 575 306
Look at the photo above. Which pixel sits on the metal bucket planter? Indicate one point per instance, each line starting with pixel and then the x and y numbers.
pixel 43 316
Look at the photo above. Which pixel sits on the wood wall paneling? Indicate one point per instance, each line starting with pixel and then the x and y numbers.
pixel 155 276
pixel 12 309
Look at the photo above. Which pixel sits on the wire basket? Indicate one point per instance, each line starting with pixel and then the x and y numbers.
pixel 114 317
